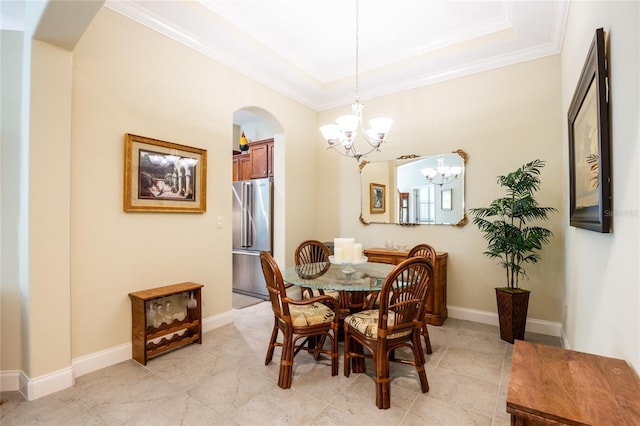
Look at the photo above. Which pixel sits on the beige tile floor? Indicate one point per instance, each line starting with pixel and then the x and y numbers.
pixel 224 382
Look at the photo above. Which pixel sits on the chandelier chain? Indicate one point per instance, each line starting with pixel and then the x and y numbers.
pixel 357 49
pixel 342 136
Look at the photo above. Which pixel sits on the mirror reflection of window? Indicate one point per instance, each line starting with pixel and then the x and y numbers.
pixel 425 204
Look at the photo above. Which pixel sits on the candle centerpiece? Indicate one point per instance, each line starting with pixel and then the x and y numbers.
pixel 347 252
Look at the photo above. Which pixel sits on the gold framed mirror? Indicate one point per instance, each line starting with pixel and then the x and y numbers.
pixel 420 190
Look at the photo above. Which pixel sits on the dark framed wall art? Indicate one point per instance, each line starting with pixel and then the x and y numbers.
pixel 162 176
pixel 589 144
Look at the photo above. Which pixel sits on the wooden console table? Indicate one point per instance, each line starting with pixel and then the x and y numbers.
pixel 148 340
pixel 551 386
pixel 436 307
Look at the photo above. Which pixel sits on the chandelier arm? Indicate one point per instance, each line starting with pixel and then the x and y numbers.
pixel 352 152
pixel 444 180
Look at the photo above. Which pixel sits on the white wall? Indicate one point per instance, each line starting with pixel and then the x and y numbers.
pixel 502 119
pixel 256 131
pixel 10 298
pixel 602 275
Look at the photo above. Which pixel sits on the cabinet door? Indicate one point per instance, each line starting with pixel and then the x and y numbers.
pixel 241 167
pixel 245 167
pixel 236 169
pixel 261 159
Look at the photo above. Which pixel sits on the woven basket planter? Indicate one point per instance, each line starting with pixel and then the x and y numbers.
pixel 512 313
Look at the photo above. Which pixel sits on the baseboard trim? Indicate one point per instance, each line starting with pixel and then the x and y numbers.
pixel 45 385
pixel 38 387
pixel 216 321
pixel 98 360
pixel 485 317
pixel 565 340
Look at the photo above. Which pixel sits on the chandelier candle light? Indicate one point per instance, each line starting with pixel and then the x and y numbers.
pixel 441 175
pixel 343 135
pixel 346 250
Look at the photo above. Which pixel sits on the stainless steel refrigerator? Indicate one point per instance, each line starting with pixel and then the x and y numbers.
pixel 252 232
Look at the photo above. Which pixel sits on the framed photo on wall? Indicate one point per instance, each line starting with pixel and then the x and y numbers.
pixel 162 176
pixel 589 157
pixel 377 197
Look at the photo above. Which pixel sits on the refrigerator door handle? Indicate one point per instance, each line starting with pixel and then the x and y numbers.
pixel 247 253
pixel 250 213
pixel 243 217
pixel 246 237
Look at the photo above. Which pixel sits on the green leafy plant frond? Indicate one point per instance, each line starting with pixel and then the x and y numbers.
pixel 505 222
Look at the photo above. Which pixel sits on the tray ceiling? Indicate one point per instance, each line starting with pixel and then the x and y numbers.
pixel 305 49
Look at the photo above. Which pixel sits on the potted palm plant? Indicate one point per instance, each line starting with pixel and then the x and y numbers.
pixel 514 240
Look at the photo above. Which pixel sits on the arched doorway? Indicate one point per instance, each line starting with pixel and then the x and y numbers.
pixel 258 126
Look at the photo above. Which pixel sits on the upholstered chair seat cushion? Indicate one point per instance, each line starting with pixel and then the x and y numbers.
pixel 315 313
pixel 366 322
pixel 334 294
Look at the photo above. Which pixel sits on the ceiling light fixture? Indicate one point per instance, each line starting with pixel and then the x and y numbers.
pixel 342 135
pixel 442 174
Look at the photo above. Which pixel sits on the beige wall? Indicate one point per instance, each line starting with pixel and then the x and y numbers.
pixel 128 78
pixel 502 119
pixel 49 341
pixel 602 273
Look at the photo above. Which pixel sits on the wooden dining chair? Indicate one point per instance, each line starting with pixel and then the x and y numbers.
pixel 313 251
pixel 428 252
pixel 396 323
pixel 315 318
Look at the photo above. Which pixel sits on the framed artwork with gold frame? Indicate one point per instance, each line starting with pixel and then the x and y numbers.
pixel 161 176
pixel 377 198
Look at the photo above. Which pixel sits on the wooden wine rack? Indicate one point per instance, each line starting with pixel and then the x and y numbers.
pixel 174 335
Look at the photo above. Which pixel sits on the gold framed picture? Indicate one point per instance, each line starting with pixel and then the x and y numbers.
pixel 162 176
pixel 377 197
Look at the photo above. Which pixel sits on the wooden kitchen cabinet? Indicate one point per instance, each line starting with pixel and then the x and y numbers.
pixel 436 307
pixel 241 167
pixel 256 164
pixel 261 153
pixel 148 340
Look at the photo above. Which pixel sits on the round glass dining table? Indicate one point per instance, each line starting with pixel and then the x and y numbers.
pixel 355 283
pixel 363 277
